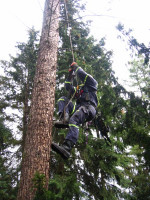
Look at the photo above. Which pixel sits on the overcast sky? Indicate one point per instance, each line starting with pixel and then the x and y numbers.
pixel 17 16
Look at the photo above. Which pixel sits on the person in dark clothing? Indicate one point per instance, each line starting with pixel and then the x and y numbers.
pixel 84 110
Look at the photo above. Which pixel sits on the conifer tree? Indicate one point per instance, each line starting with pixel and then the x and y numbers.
pixel 8 175
pixel 137 47
pixel 36 153
pixel 96 177
pixel 17 83
pixel 96 170
pixel 139 73
pixel 137 117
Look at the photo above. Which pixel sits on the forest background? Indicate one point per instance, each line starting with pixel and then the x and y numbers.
pixel 97 171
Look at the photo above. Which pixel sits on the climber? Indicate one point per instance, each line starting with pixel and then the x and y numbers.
pixel 84 110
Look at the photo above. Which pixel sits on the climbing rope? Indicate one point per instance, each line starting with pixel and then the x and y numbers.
pixel 69 31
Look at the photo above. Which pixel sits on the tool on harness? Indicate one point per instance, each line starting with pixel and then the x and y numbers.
pixel 78 93
pixel 102 128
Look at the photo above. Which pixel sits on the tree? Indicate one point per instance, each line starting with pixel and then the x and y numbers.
pixel 137 117
pixel 96 170
pixel 94 164
pixel 104 172
pixel 36 153
pixel 17 83
pixel 16 88
pixel 139 73
pixel 8 175
pixel 138 48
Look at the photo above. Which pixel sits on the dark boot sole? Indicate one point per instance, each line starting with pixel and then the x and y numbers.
pixel 61 125
pixel 60 150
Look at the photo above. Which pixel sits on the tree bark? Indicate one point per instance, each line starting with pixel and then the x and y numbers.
pixel 25 113
pixel 38 137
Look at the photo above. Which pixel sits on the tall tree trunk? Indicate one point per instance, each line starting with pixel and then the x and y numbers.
pixel 25 113
pixel 38 138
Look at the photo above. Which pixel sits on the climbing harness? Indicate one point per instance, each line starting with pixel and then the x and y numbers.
pixel 78 91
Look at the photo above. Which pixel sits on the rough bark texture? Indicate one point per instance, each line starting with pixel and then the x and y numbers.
pixel 25 112
pixel 38 138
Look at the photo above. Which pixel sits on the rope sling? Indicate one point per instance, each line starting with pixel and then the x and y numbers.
pixel 66 10
pixel 71 46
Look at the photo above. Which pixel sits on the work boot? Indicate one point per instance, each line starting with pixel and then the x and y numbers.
pixel 64 150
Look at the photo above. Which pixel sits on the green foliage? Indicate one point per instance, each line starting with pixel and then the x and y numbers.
pixel 7 174
pixel 15 89
pixel 95 170
pixel 39 182
pixel 136 118
pixel 95 164
pixel 65 187
pixel 139 73
pixel 6 138
pixel 17 83
pixel 19 73
pixel 105 172
pixel 138 48
pixel 60 187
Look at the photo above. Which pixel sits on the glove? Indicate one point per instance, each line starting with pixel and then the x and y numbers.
pixel 74 66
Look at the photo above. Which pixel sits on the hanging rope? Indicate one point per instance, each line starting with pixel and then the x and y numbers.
pixel 69 30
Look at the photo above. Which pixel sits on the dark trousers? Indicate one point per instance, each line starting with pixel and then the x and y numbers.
pixel 79 114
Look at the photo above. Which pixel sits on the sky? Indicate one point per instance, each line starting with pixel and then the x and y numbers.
pixel 18 16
